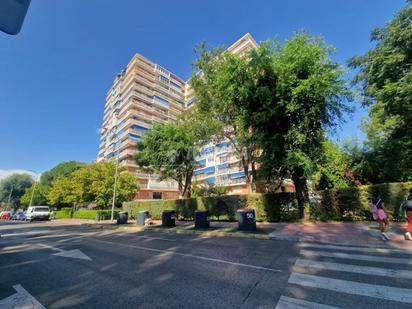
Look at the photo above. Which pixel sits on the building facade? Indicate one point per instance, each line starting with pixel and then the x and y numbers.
pixel 142 94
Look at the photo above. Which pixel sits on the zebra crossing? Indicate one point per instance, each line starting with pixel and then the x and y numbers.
pixel 333 276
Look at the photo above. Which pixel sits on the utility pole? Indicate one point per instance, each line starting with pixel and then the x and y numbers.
pixel 11 192
pixel 32 193
pixel 115 184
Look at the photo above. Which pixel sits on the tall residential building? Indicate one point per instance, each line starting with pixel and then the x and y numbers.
pixel 142 94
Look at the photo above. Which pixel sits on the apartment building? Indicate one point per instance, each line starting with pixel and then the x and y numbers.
pixel 142 94
pixel 145 93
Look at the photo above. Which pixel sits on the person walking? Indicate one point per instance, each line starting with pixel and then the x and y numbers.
pixel 406 211
pixel 380 215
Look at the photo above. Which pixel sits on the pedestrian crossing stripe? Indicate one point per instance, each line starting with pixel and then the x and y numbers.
pixel 369 258
pixel 359 249
pixel 303 264
pixel 294 303
pixel 352 287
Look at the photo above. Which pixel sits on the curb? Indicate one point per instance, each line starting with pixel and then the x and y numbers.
pixel 182 232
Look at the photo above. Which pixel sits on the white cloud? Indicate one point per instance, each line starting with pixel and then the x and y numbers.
pixel 6 173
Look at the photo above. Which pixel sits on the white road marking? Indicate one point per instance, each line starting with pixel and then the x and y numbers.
pixel 20 300
pixel 360 249
pixel 294 303
pixel 352 287
pixel 50 247
pixel 154 238
pixel 366 270
pixel 369 258
pixel 75 253
pixel 188 255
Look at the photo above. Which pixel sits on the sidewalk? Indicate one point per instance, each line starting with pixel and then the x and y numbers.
pixel 344 233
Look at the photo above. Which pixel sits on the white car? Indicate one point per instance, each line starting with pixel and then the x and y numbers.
pixel 38 213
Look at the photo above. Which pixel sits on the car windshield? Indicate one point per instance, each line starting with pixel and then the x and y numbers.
pixel 38 209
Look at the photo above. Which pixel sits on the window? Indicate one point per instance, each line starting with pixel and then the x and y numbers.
pixel 135 137
pixel 136 127
pixel 161 100
pixel 175 85
pixel 157 195
pixel 163 79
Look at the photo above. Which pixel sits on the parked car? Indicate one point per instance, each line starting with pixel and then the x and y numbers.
pixel 19 215
pixel 6 215
pixel 38 213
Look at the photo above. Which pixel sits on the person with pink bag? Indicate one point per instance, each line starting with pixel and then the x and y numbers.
pixel 379 214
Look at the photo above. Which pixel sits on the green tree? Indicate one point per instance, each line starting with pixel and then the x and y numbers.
pixel 63 169
pixel 93 183
pixel 221 82
pixel 14 186
pixel 39 195
pixel 300 93
pixel 385 80
pixel 332 167
pixel 65 192
pixel 169 151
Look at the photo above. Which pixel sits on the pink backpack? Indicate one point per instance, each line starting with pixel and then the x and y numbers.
pixel 374 208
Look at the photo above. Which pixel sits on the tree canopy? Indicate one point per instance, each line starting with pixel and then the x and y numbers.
pixel 63 169
pixel 385 80
pixel 16 185
pixel 169 151
pixel 275 103
pixel 93 184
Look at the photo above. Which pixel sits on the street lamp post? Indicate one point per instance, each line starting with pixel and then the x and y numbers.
pixel 115 184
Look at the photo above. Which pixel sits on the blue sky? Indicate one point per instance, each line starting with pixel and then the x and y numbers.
pixel 54 75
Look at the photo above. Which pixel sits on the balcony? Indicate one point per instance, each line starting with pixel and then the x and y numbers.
pixel 231 182
pixel 141 64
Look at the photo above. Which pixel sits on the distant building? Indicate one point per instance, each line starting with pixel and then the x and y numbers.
pixel 142 94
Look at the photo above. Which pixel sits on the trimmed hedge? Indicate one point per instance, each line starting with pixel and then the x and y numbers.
pixel 66 213
pixel 269 206
pixel 353 204
pixel 91 214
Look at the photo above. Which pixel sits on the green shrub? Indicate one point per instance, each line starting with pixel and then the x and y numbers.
pixel 353 204
pixel 64 213
pixel 91 214
pixel 268 207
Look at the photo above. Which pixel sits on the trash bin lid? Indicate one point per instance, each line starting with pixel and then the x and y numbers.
pixel 168 211
pixel 245 210
pixel 143 212
pixel 201 210
pixel 123 212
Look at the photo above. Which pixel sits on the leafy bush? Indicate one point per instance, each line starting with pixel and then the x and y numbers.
pixel 91 214
pixel 64 213
pixel 268 207
pixel 353 204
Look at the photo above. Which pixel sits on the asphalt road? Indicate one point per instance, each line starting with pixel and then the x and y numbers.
pixel 79 267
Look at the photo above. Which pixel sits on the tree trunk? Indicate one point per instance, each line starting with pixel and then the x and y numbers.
pixel 301 194
pixel 180 188
pixel 188 185
pixel 245 165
